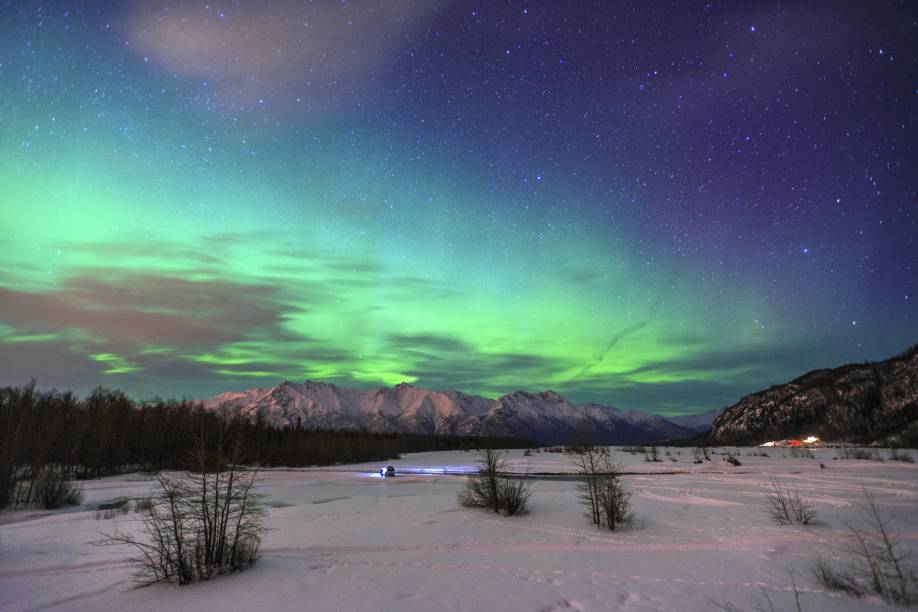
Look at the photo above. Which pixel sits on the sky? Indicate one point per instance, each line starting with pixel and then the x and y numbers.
pixel 657 205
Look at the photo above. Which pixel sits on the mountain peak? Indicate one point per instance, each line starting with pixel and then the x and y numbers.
pixel 545 416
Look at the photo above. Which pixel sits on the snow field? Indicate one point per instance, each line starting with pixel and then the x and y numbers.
pixel 344 539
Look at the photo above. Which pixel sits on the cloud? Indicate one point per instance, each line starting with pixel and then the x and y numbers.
pixel 143 248
pixel 439 362
pixel 54 363
pixel 144 308
pixel 427 343
pixel 291 57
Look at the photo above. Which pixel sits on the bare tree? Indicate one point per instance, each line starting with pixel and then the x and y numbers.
pixel 786 507
pixel 614 500
pixel 607 502
pixel 588 465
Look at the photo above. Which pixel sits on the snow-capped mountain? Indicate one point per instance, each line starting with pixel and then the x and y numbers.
pixel 698 423
pixel 545 417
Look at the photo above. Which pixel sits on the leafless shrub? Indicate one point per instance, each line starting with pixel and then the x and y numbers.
pixel 835 579
pixel 767 604
pixel 786 507
pixel 858 453
pixel 480 489
pixel 513 495
pixel 801 452
pixel 879 561
pixel 51 489
pixel 143 505
pixel 202 524
pixel 701 454
pixel 732 459
pixel 110 510
pixel 899 455
pixel 615 502
pixel 489 488
pixel 119 504
pixel 725 604
pixel 652 455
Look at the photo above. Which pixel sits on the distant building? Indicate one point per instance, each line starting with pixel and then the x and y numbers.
pixel 807 441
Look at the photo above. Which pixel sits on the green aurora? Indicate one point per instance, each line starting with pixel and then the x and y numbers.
pixel 154 241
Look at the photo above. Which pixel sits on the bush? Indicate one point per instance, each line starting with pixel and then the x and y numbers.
pixel 787 507
pixel 858 453
pixel 490 488
pixel 513 496
pixel 801 452
pixel 122 504
pixel 701 454
pixel 878 562
pixel 143 505
pixel 834 579
pixel 51 490
pixel 202 524
pixel 767 604
pixel 898 455
pixel 111 509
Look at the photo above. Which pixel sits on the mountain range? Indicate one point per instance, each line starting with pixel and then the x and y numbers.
pixel 544 417
pixel 874 402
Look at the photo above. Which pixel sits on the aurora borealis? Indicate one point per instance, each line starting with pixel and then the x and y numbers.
pixel 661 206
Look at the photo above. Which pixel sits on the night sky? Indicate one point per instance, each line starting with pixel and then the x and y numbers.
pixel 658 205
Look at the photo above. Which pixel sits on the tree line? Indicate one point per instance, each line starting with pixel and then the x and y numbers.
pixel 106 433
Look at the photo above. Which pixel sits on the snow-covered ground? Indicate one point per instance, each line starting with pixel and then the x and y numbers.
pixel 346 539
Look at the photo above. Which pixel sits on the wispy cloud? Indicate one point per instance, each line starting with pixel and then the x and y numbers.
pixel 296 58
